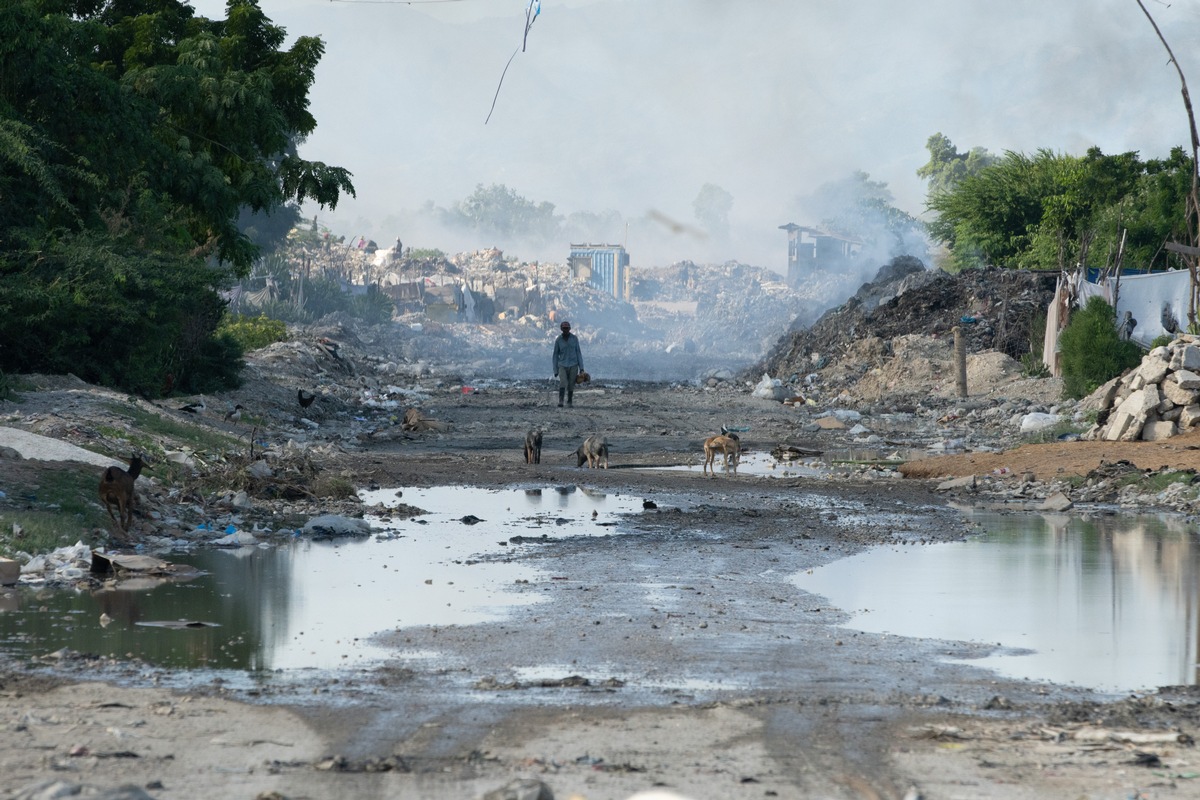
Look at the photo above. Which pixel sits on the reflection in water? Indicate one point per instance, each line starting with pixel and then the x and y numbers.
pixel 309 604
pixel 1109 603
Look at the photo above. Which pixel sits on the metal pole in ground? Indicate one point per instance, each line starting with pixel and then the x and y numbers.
pixel 960 360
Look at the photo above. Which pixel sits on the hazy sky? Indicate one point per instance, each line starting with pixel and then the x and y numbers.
pixel 634 105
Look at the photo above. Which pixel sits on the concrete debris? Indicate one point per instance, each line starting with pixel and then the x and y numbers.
pixel 56 789
pixel 1156 400
pixel 521 789
pixel 1056 502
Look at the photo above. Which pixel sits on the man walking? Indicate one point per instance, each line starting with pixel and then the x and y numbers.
pixel 568 360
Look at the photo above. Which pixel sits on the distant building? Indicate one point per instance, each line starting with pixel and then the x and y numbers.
pixel 812 249
pixel 605 266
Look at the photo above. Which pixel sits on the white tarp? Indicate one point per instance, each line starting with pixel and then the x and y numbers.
pixel 1147 296
pixel 1149 299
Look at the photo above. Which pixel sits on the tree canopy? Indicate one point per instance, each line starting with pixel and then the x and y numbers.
pixel 1053 210
pixel 133 136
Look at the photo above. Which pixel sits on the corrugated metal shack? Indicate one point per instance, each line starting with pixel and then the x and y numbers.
pixel 604 266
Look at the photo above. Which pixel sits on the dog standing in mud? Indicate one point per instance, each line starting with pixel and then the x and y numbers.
pixel 533 447
pixel 593 451
pixel 729 446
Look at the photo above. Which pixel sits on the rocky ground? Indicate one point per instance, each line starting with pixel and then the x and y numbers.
pixel 682 659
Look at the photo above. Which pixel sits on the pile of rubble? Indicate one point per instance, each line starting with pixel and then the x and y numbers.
pixel 995 310
pixel 1155 401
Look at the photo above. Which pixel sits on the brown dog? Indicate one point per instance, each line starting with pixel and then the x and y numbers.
pixel 533 447
pixel 593 451
pixel 116 489
pixel 730 448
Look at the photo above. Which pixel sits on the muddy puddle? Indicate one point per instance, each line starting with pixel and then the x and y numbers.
pixel 1109 602
pixel 761 464
pixel 310 604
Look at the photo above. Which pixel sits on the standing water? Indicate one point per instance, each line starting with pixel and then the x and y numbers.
pixel 315 604
pixel 1110 603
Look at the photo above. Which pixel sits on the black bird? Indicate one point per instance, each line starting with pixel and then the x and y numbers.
pixel 234 414
pixel 306 400
pixel 193 408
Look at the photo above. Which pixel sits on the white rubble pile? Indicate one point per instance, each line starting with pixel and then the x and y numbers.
pixel 1155 401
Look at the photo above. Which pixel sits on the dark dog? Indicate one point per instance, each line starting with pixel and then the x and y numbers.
pixel 593 451
pixel 730 448
pixel 116 489
pixel 533 447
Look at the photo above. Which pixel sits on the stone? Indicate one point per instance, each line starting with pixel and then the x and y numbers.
pixel 1056 502
pixel 1157 431
pixel 1153 369
pixel 1121 425
pixel 1172 390
pixel 1187 379
pixel 335 525
pixel 1189 417
pixel 967 482
pixel 1189 357
pixel 521 789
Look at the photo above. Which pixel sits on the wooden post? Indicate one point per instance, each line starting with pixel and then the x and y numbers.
pixel 960 360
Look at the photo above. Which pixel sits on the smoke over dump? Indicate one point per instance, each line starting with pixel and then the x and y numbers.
pixel 618 107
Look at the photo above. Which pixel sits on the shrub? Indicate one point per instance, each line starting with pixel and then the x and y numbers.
pixel 423 253
pixel 1092 352
pixel 1162 341
pixel 374 307
pixel 253 332
pixel 324 296
pixel 1032 366
pixel 112 315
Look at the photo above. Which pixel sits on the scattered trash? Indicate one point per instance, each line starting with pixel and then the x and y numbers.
pixel 770 389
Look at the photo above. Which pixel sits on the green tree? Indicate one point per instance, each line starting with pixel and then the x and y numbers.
pixel 1053 211
pixel 711 207
pixel 500 211
pixel 1092 351
pixel 947 167
pixel 132 137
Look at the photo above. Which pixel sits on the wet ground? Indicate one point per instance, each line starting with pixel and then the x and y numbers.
pixel 691 635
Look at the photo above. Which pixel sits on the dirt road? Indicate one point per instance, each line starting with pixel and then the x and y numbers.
pixel 672 654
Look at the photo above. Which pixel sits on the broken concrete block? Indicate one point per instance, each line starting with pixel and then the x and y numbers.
pixel 1153 369
pixel 957 483
pixel 1189 357
pixel 1175 392
pixel 1157 431
pixel 1123 427
pixel 1056 502
pixel 1189 417
pixel 1187 379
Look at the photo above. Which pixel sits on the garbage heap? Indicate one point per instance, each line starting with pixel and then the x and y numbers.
pixel 994 308
pixel 1155 401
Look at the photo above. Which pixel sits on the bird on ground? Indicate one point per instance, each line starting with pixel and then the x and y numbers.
pixel 193 408
pixel 234 414
pixel 306 400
